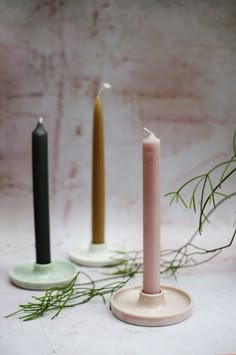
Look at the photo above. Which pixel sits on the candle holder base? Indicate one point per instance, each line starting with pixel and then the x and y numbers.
pixel 96 255
pixel 170 306
pixel 34 276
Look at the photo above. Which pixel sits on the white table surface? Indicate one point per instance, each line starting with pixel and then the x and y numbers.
pixel 92 329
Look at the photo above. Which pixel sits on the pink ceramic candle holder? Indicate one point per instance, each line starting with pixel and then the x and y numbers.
pixel 151 304
pixel 131 305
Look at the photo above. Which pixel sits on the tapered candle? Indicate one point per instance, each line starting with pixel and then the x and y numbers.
pixel 98 172
pixel 40 193
pixel 151 214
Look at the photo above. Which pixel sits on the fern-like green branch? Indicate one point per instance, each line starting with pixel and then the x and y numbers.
pixel 205 189
pixel 128 264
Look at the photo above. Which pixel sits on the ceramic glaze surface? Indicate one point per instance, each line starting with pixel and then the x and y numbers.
pixel 33 276
pixel 168 307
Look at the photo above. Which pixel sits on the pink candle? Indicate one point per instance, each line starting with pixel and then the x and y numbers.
pixel 151 214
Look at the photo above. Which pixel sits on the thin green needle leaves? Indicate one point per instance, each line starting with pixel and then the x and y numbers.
pixel 205 189
pixel 129 264
pixel 58 298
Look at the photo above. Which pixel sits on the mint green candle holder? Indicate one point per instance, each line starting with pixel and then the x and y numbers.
pixel 35 276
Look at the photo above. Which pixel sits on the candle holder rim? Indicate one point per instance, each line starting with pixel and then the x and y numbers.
pixel 130 310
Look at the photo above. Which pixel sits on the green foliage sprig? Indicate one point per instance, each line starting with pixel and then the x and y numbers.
pixel 226 169
pixel 73 294
pixel 185 256
pixel 190 254
pixel 128 264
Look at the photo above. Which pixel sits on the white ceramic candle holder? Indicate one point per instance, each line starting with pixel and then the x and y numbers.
pixel 34 276
pixel 96 255
pixel 170 306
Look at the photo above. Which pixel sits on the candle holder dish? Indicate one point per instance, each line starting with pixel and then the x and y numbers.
pixel 132 305
pixel 151 304
pixel 96 255
pixel 35 276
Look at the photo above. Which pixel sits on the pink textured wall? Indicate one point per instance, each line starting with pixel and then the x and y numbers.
pixel 172 67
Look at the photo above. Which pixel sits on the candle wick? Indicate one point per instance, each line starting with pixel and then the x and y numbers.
pixel 41 120
pixel 147 130
pixel 102 87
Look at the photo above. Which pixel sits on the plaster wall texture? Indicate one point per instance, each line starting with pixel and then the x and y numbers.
pixel 172 68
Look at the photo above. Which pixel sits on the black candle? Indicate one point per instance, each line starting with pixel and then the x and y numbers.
pixel 40 193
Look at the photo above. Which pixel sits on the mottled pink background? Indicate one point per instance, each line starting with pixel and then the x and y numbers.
pixel 172 67
pixel 172 64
